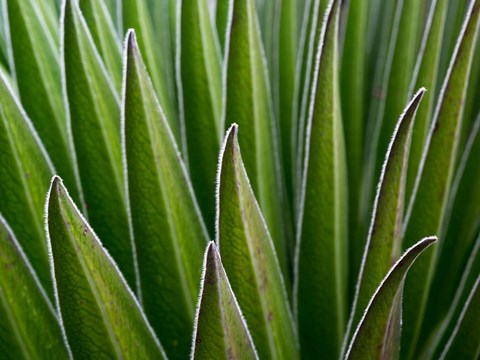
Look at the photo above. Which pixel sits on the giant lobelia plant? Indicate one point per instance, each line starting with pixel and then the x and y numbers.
pixel 239 179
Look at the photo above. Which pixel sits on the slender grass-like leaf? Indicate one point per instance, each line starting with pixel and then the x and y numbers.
pixel 250 260
pixel 99 312
pixel 200 92
pixel 136 16
pixel 169 233
pixel 427 207
pixel 248 103
pixel 105 37
pixel 370 340
pixel 320 264
pixel 95 126
pixel 24 306
pixel 35 55
pixel 383 243
pixel 221 21
pixel 220 331
pixel 25 169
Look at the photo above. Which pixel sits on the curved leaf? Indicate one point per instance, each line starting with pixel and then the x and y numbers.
pixel 25 170
pixel 370 340
pixel 99 313
pixel 250 260
pixel 95 125
pixel 220 331
pixel 169 233
pixel 200 92
pixel 427 206
pixel 24 306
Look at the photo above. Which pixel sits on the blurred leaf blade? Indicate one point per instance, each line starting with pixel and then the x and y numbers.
pixel 320 288
pixel 369 341
pixel 248 252
pixel 95 125
pixel 220 331
pixel 427 206
pixel 200 75
pixel 24 305
pixel 91 293
pixel 165 217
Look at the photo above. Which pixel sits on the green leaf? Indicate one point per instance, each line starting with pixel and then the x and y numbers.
pixel 105 37
pixel 465 340
pixel 248 103
pixel 25 170
pixel 427 206
pixel 24 306
pixel 220 331
pixel 199 72
pixel 248 253
pixel 35 55
pixel 136 16
pixel 383 243
pixel 165 218
pixel 221 21
pixel 95 125
pixel 320 266
pixel 99 312
pixel 370 340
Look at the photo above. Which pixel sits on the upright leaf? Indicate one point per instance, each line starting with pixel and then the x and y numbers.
pixel 169 233
pixel 24 306
pixel 220 331
pixel 221 21
pixel 320 266
pixel 95 126
pixel 383 243
pixel 427 207
pixel 248 103
pixel 24 172
pixel 371 340
pixel 199 73
pixel 248 253
pixel 100 314
pixel 35 54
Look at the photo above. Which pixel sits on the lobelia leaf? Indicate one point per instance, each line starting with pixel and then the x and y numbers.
pixel 164 215
pixel 427 206
pixel 25 170
pixel 384 243
pixel 105 37
pixel 199 77
pixel 35 61
pixel 247 102
pixel 95 126
pixel 136 16
pixel 320 286
pixel 99 313
pixel 220 331
pixel 371 340
pixel 24 306
pixel 249 258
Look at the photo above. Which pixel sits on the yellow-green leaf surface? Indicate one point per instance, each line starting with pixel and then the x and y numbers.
pixel 95 126
pixel 169 233
pixel 370 340
pixel 383 244
pixel 248 103
pixel 250 260
pixel 25 170
pixel 106 39
pixel 427 207
pixel 100 314
pixel 220 331
pixel 24 306
pixel 136 16
pixel 35 50
pixel 200 90
pixel 221 21
pixel 320 264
